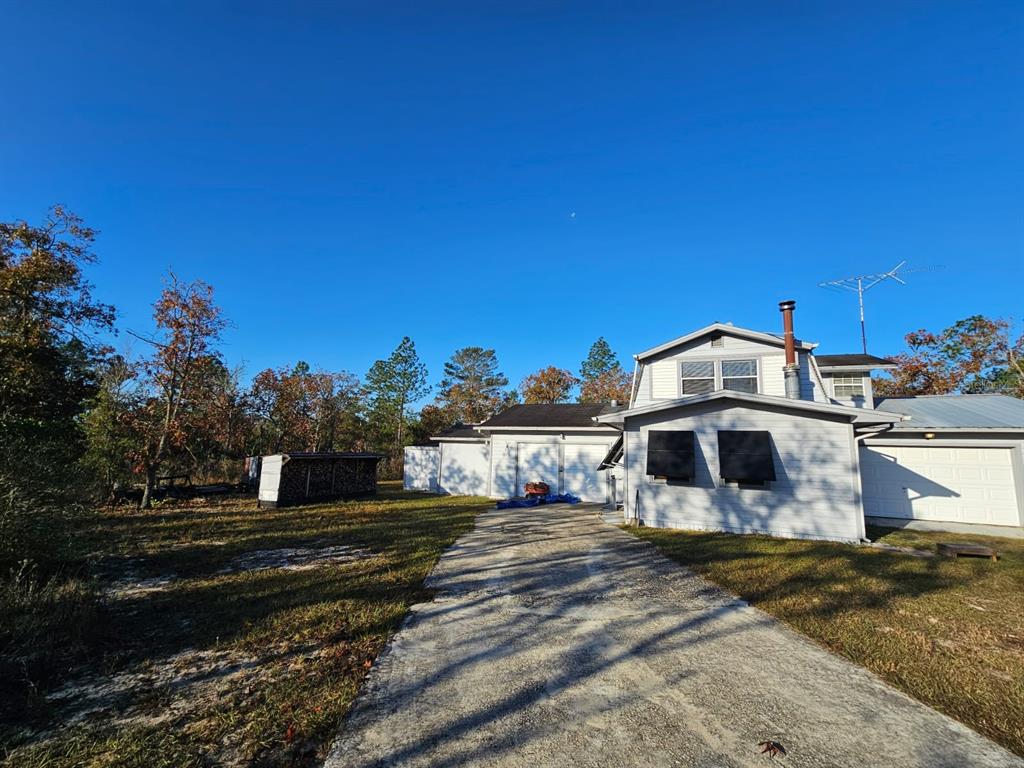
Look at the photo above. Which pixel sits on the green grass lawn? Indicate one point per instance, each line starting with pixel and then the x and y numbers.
pixel 948 632
pixel 250 667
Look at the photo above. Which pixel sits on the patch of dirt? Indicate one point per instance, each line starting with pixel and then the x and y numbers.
pixel 156 691
pixel 130 585
pixel 294 558
pixel 901 550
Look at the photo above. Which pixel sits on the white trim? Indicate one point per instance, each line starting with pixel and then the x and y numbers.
pixel 722 328
pixel 854 368
pixel 505 428
pixel 939 431
pixel 856 415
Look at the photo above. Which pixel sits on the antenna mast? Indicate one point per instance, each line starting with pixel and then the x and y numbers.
pixel 861 283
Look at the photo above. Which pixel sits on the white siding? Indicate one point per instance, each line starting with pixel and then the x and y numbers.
pixel 816 493
pixel 773 381
pixel 419 468
pixel 465 469
pixel 810 386
pixel 659 378
pixel 665 379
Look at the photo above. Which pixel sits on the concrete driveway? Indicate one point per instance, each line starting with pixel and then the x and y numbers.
pixel 559 640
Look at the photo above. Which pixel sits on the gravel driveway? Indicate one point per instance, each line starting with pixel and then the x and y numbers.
pixel 559 640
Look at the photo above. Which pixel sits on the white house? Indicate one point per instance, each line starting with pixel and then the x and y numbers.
pixel 738 430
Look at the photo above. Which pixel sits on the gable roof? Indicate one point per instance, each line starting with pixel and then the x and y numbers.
pixel 727 330
pixel 857 360
pixel 854 415
pixel 983 412
pixel 549 416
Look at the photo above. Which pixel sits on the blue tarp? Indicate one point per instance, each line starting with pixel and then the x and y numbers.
pixel 551 498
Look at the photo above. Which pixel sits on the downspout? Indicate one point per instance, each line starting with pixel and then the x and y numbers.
pixel 632 387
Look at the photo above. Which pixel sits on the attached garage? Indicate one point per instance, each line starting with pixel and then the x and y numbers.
pixel 955 459
pixel 559 444
pixel 943 482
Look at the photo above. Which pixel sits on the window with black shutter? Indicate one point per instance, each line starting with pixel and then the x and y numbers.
pixel 670 455
pixel 745 456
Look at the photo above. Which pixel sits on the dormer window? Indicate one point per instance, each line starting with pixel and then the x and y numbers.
pixel 740 375
pixel 848 387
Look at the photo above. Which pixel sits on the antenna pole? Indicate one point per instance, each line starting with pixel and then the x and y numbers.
pixel 860 300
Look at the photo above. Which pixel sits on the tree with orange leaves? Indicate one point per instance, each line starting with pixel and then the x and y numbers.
pixel 183 367
pixel 976 354
pixel 548 385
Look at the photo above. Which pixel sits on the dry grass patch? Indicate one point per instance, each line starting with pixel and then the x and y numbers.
pixel 948 632
pixel 231 635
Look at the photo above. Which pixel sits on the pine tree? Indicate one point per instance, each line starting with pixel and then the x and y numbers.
pixel 471 389
pixel 602 378
pixel 393 385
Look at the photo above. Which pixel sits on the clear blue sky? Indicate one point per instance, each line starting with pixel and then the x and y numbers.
pixel 345 174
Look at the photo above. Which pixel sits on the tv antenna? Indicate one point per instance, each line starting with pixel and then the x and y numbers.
pixel 861 283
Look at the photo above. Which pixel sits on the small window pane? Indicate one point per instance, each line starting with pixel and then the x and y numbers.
pixel 739 368
pixel 741 385
pixel 698 386
pixel 699 370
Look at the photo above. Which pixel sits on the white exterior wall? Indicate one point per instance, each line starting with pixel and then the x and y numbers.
pixel 521 457
pixel 420 468
pixel 816 494
pixel 868 401
pixel 464 468
pixel 660 377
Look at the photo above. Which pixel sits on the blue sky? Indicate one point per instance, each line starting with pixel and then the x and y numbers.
pixel 525 176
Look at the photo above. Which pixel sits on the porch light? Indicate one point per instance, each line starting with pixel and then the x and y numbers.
pixel 929 435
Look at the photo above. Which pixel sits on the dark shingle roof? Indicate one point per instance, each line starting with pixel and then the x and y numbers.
pixel 551 415
pixel 857 359
pixel 459 430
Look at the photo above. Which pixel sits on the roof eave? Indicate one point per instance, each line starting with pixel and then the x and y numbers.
pixel 564 428
pixel 746 333
pixel 856 415
pixel 854 368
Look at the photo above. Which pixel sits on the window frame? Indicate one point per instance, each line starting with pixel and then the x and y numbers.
pixel 713 378
pixel 756 375
pixel 836 384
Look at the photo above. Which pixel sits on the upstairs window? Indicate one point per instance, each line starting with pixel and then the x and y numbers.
pixel 698 377
pixel 848 387
pixel 739 375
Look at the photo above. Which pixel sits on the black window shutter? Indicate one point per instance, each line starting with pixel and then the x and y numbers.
pixel 670 454
pixel 745 456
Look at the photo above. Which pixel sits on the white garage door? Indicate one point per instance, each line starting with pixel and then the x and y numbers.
pixel 538 463
pixel 464 468
pixel 964 485
pixel 580 476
